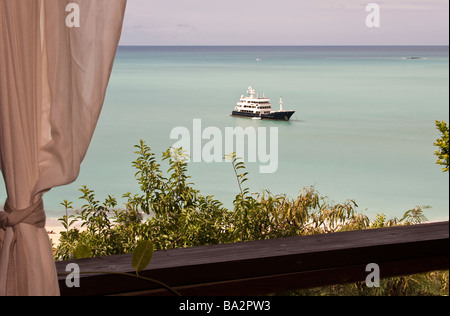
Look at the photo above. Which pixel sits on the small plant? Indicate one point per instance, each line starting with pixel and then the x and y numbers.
pixel 67 220
pixel 415 216
pixel 246 221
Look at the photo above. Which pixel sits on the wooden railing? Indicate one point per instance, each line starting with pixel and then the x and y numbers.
pixel 270 266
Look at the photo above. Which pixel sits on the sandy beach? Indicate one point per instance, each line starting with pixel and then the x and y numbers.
pixel 54 229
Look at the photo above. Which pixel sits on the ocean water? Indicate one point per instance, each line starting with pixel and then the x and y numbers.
pixel 363 128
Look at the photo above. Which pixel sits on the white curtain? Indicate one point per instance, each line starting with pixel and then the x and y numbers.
pixel 56 58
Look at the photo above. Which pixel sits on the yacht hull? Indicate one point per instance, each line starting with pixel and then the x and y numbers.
pixel 275 116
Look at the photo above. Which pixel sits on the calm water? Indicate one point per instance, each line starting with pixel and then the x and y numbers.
pixel 363 128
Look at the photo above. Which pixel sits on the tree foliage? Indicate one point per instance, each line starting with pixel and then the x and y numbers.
pixel 442 145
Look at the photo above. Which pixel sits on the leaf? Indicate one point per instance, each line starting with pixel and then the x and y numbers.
pixel 142 255
pixel 82 252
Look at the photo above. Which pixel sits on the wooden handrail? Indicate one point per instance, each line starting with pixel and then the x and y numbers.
pixel 270 266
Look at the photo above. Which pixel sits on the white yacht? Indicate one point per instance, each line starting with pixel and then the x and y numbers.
pixel 252 106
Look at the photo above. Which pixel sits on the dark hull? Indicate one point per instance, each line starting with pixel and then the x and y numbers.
pixel 276 116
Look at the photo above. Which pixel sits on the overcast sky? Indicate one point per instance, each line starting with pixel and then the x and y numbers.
pixel 284 22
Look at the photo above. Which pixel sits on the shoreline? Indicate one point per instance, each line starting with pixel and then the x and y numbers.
pixel 54 228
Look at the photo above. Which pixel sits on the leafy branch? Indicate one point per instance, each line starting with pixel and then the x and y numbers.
pixel 443 146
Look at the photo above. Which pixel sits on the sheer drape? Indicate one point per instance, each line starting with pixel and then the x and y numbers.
pixel 53 81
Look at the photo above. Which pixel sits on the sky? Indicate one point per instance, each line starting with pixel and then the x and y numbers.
pixel 284 22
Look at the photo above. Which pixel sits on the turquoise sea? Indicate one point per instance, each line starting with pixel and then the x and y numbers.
pixel 363 129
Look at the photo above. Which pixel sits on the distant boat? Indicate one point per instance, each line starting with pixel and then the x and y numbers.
pixel 257 108
pixel 258 59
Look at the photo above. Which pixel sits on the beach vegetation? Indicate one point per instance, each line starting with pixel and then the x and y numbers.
pixel 169 212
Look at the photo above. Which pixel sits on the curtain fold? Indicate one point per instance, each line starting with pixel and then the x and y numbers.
pixel 53 80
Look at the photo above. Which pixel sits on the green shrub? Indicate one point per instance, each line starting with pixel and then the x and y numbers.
pixel 171 213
